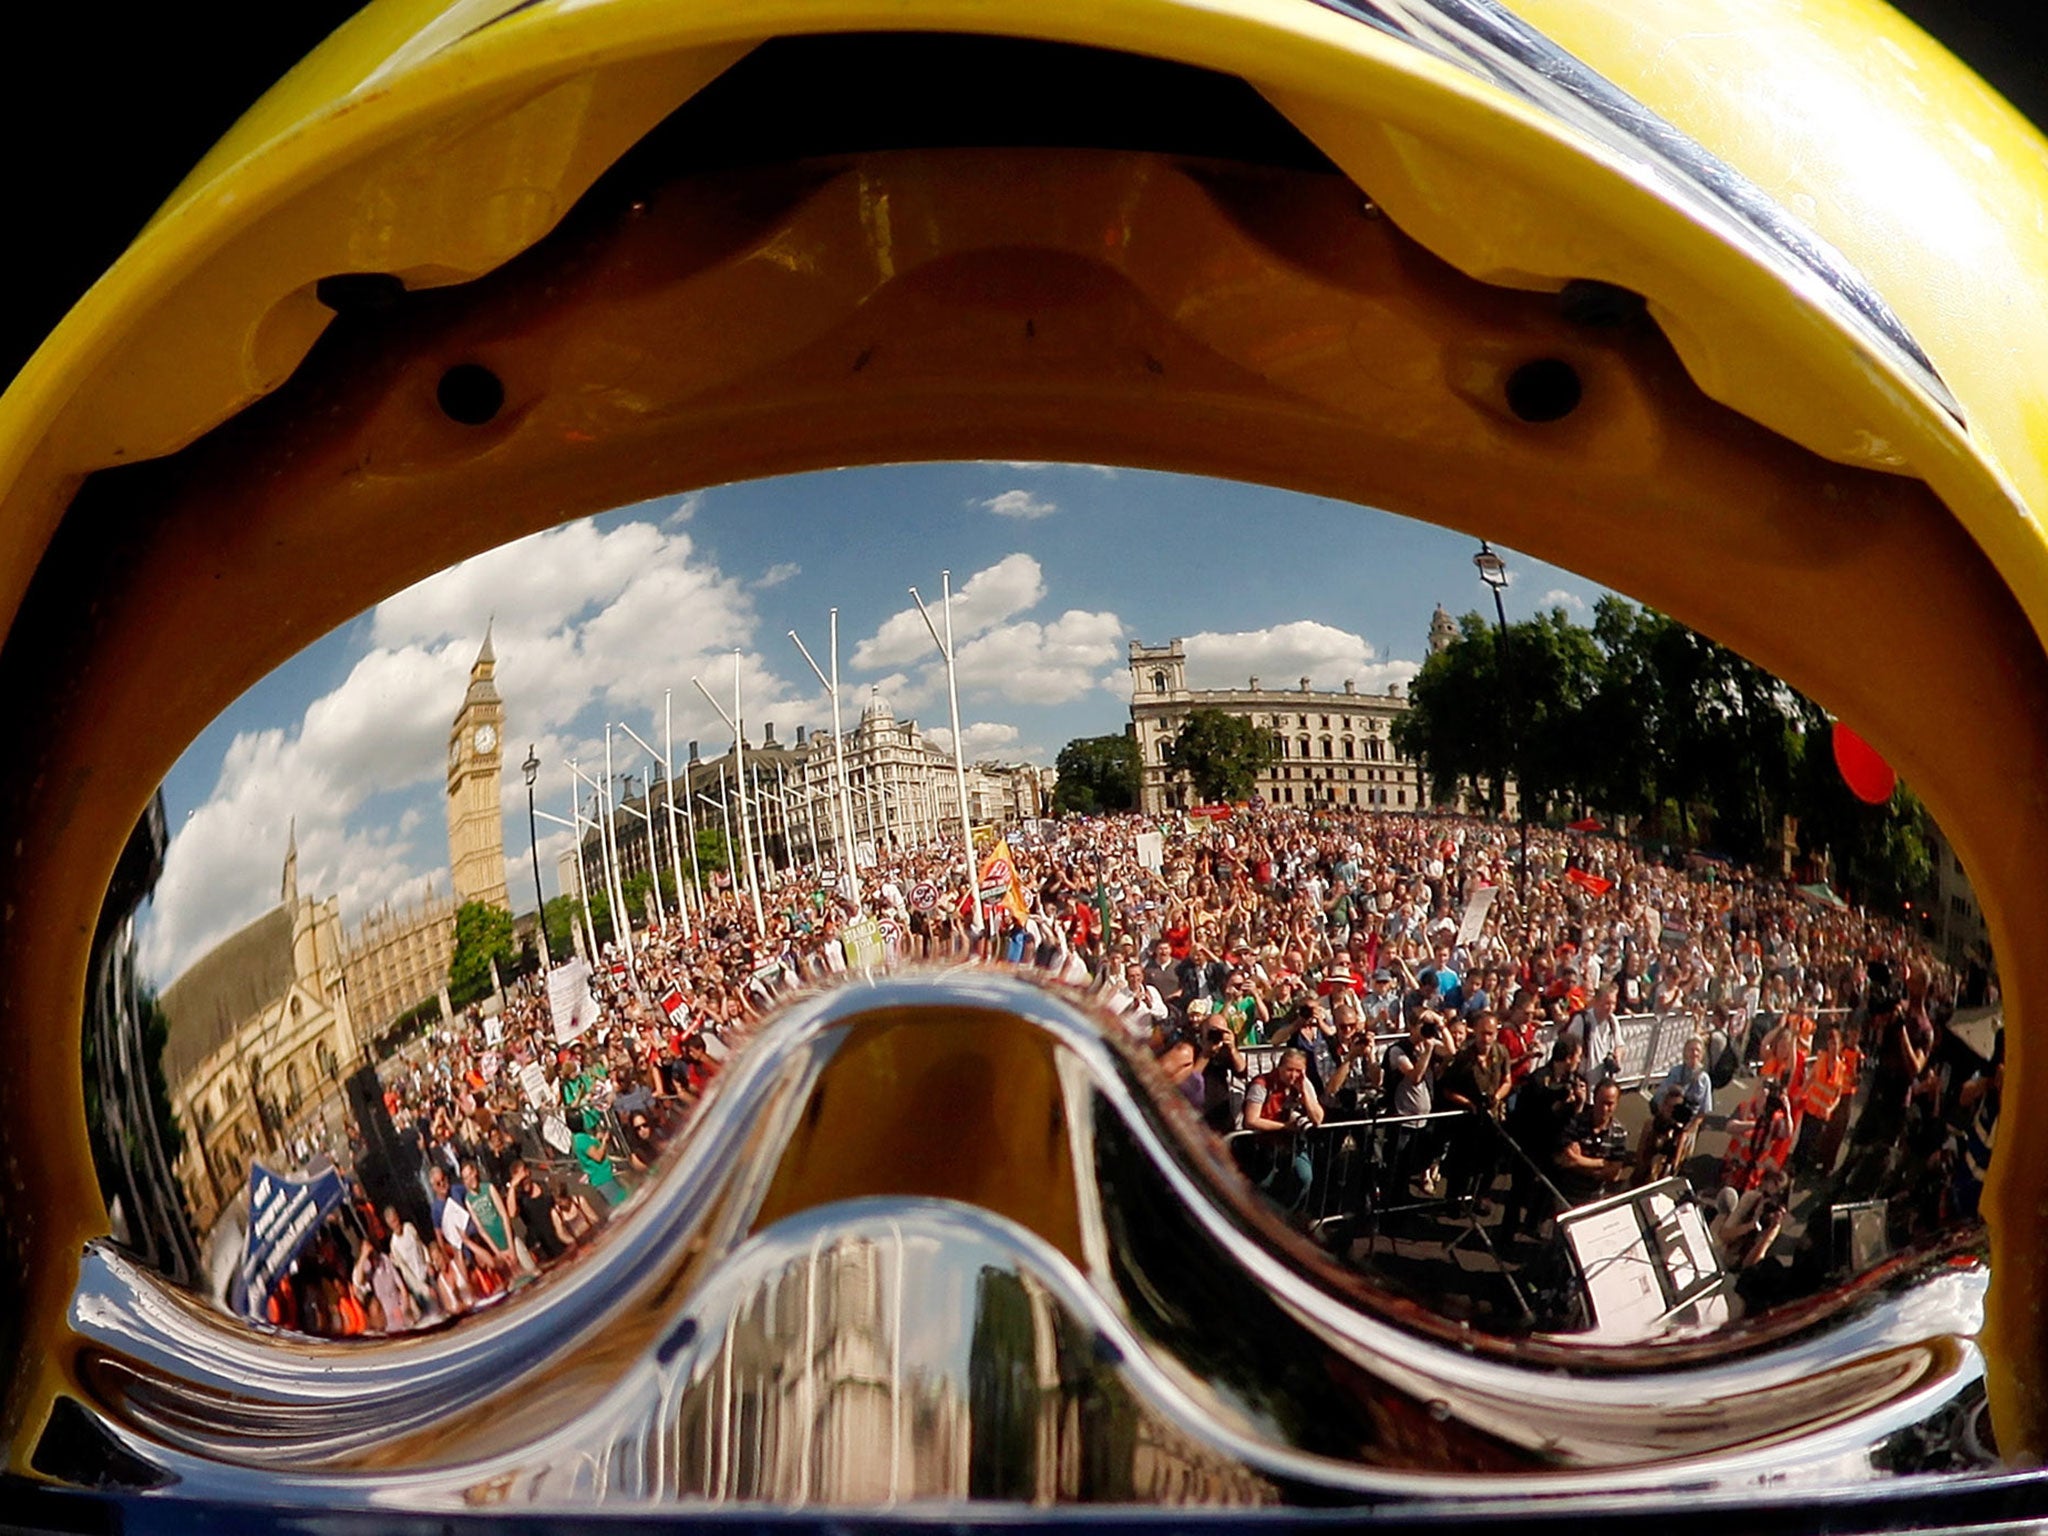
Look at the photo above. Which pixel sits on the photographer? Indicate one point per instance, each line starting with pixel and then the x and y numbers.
pixel 1680 1102
pixel 1476 1081
pixel 1223 1071
pixel 1280 1106
pixel 1408 1074
pixel 1543 1106
pixel 1591 1158
pixel 1599 1032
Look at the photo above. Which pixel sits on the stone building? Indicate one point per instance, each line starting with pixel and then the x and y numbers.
pixel 901 789
pixel 397 958
pixel 1329 747
pixel 260 1038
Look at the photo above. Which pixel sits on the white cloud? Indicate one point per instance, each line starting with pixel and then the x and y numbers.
pixel 1019 504
pixel 777 574
pixel 1013 584
pixel 984 738
pixel 587 626
pixel 1283 654
pixel 1558 597
pixel 1031 663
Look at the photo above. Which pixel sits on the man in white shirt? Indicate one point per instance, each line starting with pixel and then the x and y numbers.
pixel 1599 1032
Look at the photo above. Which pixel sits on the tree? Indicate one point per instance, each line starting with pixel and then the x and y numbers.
pixel 1453 726
pixel 1222 754
pixel 562 915
pixel 483 933
pixel 1473 727
pixel 1097 773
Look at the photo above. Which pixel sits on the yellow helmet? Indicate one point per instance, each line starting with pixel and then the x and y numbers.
pixel 1739 308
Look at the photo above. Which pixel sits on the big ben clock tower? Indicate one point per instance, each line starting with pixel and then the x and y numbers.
pixel 476 828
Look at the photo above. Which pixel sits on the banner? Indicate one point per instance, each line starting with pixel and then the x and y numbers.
pixel 494 1030
pixel 1151 849
pixel 570 1002
pixel 999 882
pixel 671 1003
pixel 283 1216
pixel 1476 907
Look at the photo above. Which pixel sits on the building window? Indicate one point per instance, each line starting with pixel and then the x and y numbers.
pixel 1279 746
pixel 1301 722
pixel 1400 797
pixel 1326 722
pixel 1354 797
pixel 1329 747
pixel 1350 748
pixel 1303 745
pixel 1159 682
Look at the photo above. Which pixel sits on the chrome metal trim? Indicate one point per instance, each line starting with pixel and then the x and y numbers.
pixel 231 1413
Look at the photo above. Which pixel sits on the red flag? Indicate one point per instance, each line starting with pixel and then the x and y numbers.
pixel 671 1002
pixel 1599 885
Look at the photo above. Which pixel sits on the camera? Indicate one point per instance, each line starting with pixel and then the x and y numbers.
pixel 1301 1122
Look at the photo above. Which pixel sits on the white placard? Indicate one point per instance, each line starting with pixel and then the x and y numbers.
pixel 533 1084
pixel 1474 920
pixel 570 1002
pixel 1151 850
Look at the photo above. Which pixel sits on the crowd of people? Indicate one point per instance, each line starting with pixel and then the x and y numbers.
pixel 1389 1006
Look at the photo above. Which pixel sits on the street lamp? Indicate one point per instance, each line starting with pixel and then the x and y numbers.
pixel 1494 572
pixel 531 768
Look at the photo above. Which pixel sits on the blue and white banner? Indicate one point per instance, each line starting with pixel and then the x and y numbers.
pixel 284 1213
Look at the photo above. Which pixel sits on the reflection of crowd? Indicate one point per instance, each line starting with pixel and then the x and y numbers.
pixel 1437 1050
pixel 1295 975
pixel 513 1149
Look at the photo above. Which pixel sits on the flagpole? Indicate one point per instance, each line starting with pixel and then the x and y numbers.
pixel 675 852
pixel 622 915
pixel 653 853
pixel 959 759
pixel 575 824
pixel 755 871
pixel 674 847
pixel 850 879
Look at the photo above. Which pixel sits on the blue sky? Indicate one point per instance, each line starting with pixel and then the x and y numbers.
pixel 1056 568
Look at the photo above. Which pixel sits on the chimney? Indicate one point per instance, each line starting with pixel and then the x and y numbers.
pixel 1304 685
pixel 768 734
pixel 1255 685
pixel 1393 690
pixel 1350 686
pixel 800 736
pixel 693 752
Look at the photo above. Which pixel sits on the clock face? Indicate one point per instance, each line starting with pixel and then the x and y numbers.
pixel 486 738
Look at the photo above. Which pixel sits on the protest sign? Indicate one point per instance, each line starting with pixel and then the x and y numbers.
pixel 569 1001
pixel 1476 907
